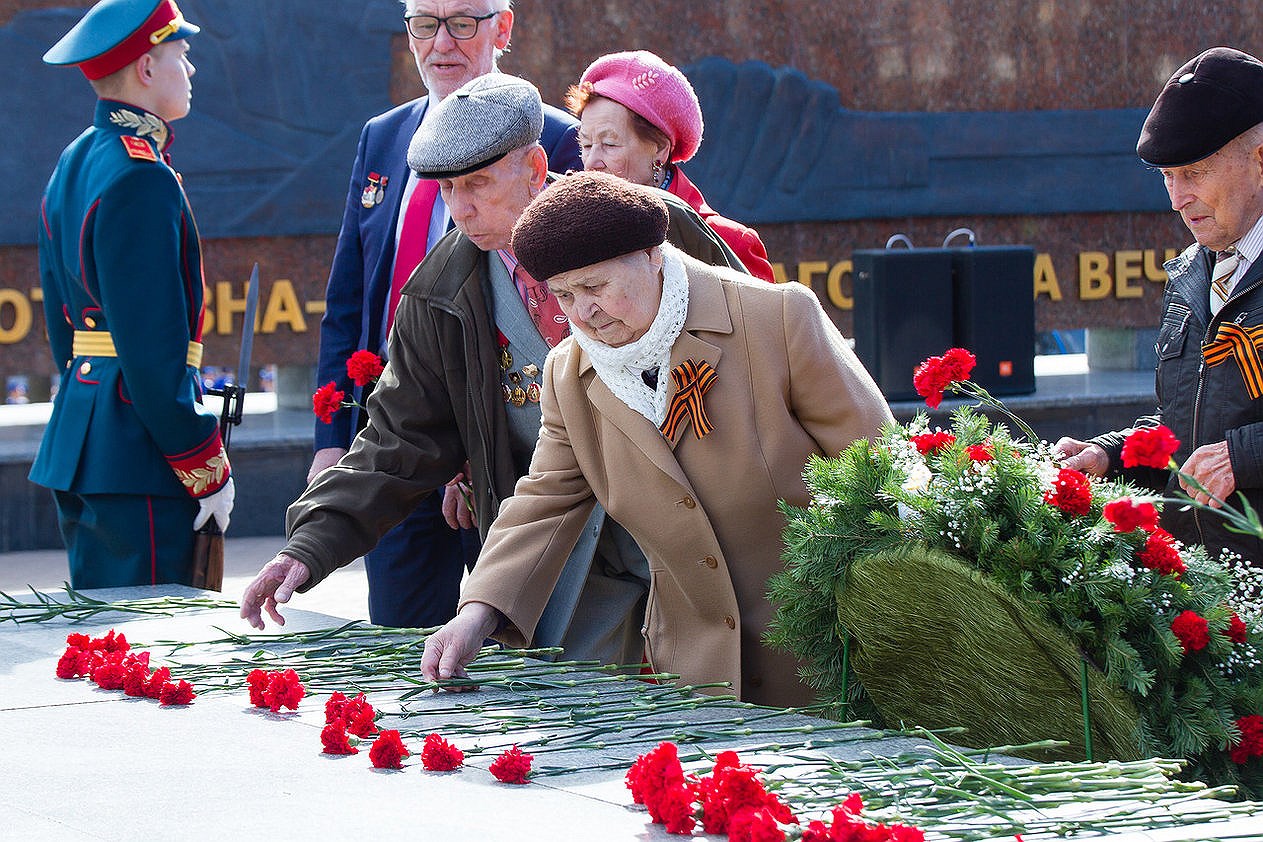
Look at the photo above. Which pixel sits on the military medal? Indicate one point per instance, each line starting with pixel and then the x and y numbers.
pixel 518 396
pixel 506 358
pixel 508 393
pixel 532 389
pixel 373 190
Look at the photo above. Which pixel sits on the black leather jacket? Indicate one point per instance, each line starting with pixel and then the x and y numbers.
pixel 1203 403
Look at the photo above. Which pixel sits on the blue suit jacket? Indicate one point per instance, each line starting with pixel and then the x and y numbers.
pixel 359 281
pixel 119 252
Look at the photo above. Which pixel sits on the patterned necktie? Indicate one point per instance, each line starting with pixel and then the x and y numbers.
pixel 410 250
pixel 1221 279
pixel 542 306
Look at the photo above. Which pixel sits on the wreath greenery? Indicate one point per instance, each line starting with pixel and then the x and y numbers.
pixel 958 578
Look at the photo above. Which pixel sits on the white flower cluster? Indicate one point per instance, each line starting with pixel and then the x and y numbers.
pixel 1241 660
pixel 1246 597
pixel 1121 571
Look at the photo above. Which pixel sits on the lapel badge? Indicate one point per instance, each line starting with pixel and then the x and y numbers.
pixel 374 191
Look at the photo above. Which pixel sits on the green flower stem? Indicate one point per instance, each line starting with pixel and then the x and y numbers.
pixel 78 606
pixel 985 399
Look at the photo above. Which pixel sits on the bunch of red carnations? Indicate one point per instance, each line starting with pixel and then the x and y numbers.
pixel 363 368
pixel 275 689
pixel 110 663
pixel 733 800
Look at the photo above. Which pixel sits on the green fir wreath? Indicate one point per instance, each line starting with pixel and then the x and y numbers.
pixel 932 567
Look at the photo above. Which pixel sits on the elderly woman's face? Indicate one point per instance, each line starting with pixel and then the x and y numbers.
pixel 608 142
pixel 614 301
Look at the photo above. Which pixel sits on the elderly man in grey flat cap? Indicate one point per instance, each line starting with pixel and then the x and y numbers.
pixel 463 382
pixel 1205 136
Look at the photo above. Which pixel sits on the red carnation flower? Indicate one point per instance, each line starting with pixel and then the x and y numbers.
pixel 734 787
pixel 78 640
pixel 388 751
pixel 1192 630
pixel 513 767
pixel 177 693
pixel 68 663
pixel 816 831
pixel 1127 515
pixel 937 373
pixel 675 809
pixel 335 739
pixel 1071 492
pixel 109 676
pixel 754 826
pixel 1237 629
pixel 980 452
pixel 652 774
pixel 333 706
pixel 257 681
pixel 358 715
pixel 283 690
pixel 326 401
pixel 364 367
pixel 1159 553
pixel 438 755
pixel 927 443
pixel 1251 745
pixel 159 677
pixel 1150 448
pixel 111 642
pixel 136 680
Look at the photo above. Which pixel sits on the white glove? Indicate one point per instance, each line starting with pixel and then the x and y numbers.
pixel 217 505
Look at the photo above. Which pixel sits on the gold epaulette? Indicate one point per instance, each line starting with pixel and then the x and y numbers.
pixel 99 343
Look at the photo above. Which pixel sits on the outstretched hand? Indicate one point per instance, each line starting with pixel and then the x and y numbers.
pixel 274 585
pixel 450 649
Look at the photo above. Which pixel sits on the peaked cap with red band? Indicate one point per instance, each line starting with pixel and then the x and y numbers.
pixel 114 33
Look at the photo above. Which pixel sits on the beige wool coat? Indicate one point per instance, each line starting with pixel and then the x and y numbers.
pixel 703 510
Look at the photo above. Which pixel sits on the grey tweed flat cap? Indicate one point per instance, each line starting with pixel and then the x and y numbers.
pixel 480 123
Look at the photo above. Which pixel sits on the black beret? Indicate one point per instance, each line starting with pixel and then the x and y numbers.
pixel 584 219
pixel 1208 102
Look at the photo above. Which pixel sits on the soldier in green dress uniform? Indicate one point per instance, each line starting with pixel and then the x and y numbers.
pixel 134 460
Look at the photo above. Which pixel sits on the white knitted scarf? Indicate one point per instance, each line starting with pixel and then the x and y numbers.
pixel 620 368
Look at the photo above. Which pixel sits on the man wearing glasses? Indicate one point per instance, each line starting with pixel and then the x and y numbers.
pixel 392 220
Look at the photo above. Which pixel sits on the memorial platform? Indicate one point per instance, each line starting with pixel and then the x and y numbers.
pixel 89 764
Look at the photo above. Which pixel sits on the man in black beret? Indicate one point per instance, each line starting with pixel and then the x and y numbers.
pixel 1205 136
pixel 463 382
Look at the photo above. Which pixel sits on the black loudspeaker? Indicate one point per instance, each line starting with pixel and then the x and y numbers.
pixel 995 315
pixel 903 313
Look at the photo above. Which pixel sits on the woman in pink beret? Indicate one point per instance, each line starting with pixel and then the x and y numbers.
pixel 639 119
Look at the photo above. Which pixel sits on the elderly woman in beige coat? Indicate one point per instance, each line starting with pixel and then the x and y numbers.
pixel 686 402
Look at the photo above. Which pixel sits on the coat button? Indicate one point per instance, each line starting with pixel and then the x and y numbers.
pixel 85 368
pixel 689 503
pixel 89 321
pixel 731 623
pixel 710 561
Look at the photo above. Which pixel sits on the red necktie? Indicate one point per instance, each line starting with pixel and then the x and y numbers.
pixel 543 307
pixel 410 250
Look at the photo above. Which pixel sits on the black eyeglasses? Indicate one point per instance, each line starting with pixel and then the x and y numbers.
pixel 460 27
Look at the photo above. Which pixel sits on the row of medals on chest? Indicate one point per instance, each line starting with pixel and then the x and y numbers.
pixel 514 393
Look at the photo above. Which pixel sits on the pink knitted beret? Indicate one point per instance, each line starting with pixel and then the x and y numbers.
pixel 657 91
